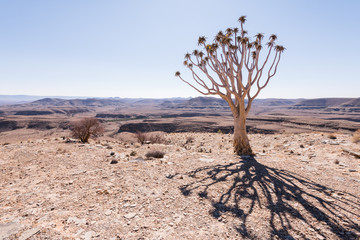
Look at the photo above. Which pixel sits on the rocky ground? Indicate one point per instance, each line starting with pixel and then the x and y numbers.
pixel 301 186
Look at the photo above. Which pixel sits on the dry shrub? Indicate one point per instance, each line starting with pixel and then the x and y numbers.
pixel 332 136
pixel 127 137
pixel 157 138
pixel 356 136
pixel 151 138
pixel 141 137
pixel 86 128
pixel 154 154
pixel 189 139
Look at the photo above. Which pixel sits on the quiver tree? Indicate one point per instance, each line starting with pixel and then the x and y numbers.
pixel 86 128
pixel 234 67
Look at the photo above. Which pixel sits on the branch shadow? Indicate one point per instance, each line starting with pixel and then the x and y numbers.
pixel 292 206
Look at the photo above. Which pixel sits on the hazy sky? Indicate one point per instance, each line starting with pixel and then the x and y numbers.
pixel 132 48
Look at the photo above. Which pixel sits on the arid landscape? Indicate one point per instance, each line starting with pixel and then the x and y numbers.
pixel 303 182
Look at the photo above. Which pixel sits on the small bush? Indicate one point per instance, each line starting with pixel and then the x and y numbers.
pixel 86 128
pixel 141 137
pixel 157 138
pixel 133 153
pixel 154 154
pixel 332 136
pixel 189 139
pixel 356 137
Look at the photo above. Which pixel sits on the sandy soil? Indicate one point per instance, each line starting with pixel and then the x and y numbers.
pixel 299 186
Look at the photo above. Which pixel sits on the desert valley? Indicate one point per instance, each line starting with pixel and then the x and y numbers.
pixel 303 182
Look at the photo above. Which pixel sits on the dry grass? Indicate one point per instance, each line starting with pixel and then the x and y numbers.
pixel 189 139
pixel 158 138
pixel 356 137
pixel 141 137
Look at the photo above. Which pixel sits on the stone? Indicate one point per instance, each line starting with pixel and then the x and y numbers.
pixel 88 235
pixel 29 233
pixel 8 229
pixel 130 215
pixel 113 161
pixel 338 178
pixel 76 220
pixel 139 159
pixel 208 160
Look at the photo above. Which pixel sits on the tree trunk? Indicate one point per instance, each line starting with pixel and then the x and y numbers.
pixel 241 141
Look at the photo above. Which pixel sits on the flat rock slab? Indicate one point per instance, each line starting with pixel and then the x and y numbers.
pixel 29 233
pixel 8 229
pixel 76 220
pixel 208 160
pixel 130 215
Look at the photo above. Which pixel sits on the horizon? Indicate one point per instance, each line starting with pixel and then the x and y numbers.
pixel 133 49
pixel 94 97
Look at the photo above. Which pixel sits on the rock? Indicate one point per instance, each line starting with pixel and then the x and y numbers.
pixel 311 169
pixel 208 160
pixel 139 159
pixel 352 170
pixel 88 235
pixel 130 215
pixel 29 233
pixel 76 220
pixel 113 161
pixel 339 178
pixel 108 212
pixel 8 229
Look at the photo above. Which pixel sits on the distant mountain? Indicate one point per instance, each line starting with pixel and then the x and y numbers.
pixel 352 103
pixel 211 102
pixel 17 99
pixel 202 102
pixel 275 102
pixel 88 102
pixel 330 104
pixel 323 102
pixel 20 99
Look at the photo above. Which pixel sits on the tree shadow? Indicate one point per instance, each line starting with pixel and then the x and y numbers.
pixel 290 205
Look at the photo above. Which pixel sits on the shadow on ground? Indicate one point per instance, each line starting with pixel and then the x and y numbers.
pixel 289 206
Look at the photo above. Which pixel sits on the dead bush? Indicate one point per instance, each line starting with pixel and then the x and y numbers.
pixel 157 138
pixel 86 128
pixel 189 139
pixel 356 137
pixel 141 137
pixel 154 154
pixel 127 137
pixel 332 136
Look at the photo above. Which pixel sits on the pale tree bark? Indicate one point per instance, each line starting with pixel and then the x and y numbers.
pixel 230 68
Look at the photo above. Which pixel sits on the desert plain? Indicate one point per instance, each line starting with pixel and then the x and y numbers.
pixel 303 183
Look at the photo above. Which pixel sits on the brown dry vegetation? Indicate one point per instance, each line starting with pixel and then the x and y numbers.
pixel 356 136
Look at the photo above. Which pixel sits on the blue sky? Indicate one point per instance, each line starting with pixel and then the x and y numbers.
pixel 115 48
